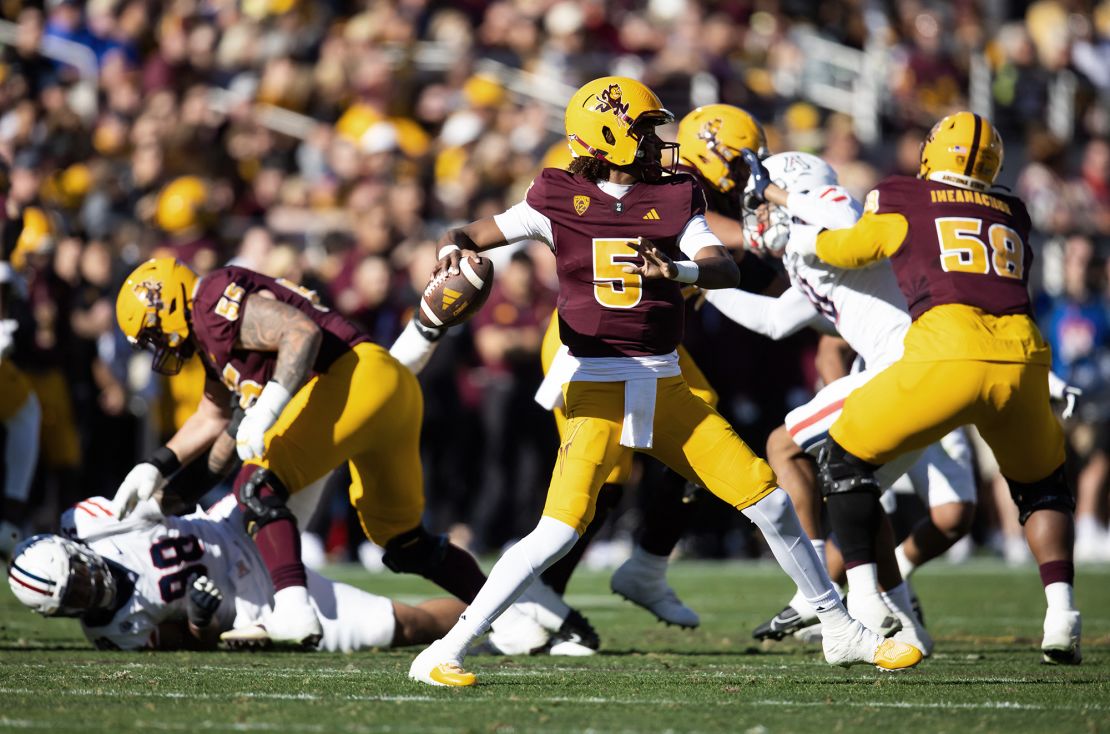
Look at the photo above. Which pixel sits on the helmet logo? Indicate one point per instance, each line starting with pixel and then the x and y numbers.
pixel 581 204
pixel 709 134
pixel 610 101
pixel 149 292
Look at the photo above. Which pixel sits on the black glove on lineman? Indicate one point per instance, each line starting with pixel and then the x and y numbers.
pixel 761 179
pixel 204 600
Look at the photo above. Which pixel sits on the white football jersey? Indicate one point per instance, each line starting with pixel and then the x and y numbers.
pixel 866 305
pixel 160 557
pixel 160 554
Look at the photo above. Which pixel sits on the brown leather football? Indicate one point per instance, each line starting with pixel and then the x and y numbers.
pixel 452 299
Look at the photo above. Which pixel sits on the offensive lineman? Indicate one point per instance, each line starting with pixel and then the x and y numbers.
pixel 973 354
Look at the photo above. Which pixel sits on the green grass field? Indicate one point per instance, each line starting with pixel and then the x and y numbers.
pixel 984 677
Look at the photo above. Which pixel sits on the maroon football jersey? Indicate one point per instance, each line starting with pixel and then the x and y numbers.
pixel 603 311
pixel 961 247
pixel 216 318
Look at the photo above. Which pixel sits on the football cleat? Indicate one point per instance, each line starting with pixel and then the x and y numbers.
pixel 873 612
pixel 1060 645
pixel 809 635
pixel 438 668
pixel 294 621
pixel 575 638
pixel 515 634
pixel 644 587
pixel 852 643
pixel 786 622
pixel 254 637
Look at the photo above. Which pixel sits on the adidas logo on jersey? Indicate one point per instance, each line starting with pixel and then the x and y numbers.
pixel 652 214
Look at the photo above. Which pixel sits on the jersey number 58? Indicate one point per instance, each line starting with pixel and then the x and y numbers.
pixel 962 249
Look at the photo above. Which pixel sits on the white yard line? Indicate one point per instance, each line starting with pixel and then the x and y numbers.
pixel 600 700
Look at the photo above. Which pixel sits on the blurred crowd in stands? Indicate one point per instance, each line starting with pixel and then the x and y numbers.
pixel 331 142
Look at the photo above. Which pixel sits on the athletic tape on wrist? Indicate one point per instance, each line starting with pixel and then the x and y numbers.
pixel 687 271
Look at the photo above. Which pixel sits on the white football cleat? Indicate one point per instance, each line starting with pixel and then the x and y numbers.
pixel 436 667
pixel 644 586
pixel 515 633
pixel 253 637
pixel 293 619
pixel 852 643
pixel 873 612
pixel 1060 645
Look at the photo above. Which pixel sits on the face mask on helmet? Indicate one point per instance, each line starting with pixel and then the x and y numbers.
pixel 767 226
pixel 654 157
pixel 171 352
pixel 57 577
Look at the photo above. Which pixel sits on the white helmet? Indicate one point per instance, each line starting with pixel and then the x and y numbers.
pixel 796 173
pixel 57 577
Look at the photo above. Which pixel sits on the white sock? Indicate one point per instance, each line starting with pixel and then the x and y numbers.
pixel 819 549
pixel 541 603
pixel 863 579
pixel 905 566
pixel 1088 529
pixel 517 568
pixel 900 602
pixel 775 517
pixel 1060 595
pixel 291 596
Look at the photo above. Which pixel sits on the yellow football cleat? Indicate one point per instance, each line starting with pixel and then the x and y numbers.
pixel 438 667
pixel 449 674
pixel 894 654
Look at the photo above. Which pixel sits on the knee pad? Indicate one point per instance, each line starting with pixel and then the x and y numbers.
pixel 1050 493
pixel 263 507
pixel 415 551
pixel 839 472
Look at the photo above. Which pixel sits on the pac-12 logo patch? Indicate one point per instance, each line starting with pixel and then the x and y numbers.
pixel 581 204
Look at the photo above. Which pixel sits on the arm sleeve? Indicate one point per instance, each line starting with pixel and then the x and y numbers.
pixel 697 235
pixel 523 222
pixel 873 238
pixel 776 318
pixel 833 208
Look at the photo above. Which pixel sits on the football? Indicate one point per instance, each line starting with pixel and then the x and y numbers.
pixel 452 299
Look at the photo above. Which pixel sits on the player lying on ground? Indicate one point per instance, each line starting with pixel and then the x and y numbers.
pixel 165 583
pixel 973 354
pixel 621 233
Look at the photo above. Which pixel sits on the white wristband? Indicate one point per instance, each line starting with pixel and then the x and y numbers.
pixel 687 271
pixel 447 250
pixel 273 399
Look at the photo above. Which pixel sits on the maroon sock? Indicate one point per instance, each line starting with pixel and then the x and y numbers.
pixel 1055 572
pixel 458 574
pixel 279 542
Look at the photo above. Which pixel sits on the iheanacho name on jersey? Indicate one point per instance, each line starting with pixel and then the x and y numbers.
pixel 959 196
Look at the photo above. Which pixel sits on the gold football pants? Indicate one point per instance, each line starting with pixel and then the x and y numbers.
pixel 909 405
pixel 365 410
pixel 695 379
pixel 689 437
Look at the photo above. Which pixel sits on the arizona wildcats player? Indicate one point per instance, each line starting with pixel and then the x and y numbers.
pixel 153 582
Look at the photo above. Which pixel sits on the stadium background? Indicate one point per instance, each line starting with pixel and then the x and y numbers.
pixel 331 143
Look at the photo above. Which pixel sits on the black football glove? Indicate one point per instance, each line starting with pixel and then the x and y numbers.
pixel 761 179
pixel 204 600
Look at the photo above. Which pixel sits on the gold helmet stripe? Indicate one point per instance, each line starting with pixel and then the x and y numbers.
pixel 974 145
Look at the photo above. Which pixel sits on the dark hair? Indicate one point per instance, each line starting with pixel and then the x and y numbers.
pixel 593 169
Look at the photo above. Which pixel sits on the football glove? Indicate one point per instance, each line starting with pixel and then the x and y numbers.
pixel 761 179
pixel 250 438
pixel 139 484
pixel 204 600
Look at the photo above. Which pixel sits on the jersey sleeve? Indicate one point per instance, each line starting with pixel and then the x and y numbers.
pixel 776 318
pixel 874 237
pixel 697 235
pixel 523 221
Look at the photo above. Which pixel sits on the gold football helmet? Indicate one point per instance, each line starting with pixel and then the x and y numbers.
pixel 153 310
pixel 36 237
pixel 610 117
pixel 964 150
pixel 710 139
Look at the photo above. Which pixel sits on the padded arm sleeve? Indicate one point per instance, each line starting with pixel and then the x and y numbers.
pixel 776 318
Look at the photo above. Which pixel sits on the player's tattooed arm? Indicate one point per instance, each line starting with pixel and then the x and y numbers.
pixel 272 326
